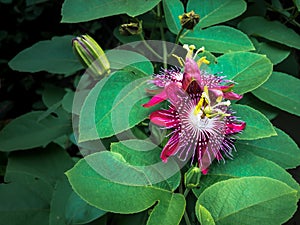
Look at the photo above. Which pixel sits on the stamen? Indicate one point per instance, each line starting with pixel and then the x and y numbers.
pixel 202 60
pixel 180 59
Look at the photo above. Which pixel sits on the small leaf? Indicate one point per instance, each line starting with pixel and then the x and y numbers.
pixel 249 70
pixel 275 53
pixel 26 132
pixel 216 11
pixel 173 9
pixel 75 11
pixel 54 56
pixel 281 91
pixel 204 215
pixel 236 201
pixel 219 39
pixel 280 149
pixel 114 105
pixel 52 95
pixel 271 30
pixel 257 125
pixel 124 185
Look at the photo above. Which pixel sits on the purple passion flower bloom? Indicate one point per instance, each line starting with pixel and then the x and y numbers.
pixel 202 123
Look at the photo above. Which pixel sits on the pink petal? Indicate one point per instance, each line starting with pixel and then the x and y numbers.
pixel 235 127
pixel 164 118
pixel 156 99
pixel 204 171
pixel 175 94
pixel 232 96
pixel 191 72
pixel 170 148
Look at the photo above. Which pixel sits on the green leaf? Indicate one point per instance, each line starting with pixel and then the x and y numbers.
pixel 257 125
pixel 80 212
pixel 129 61
pixel 114 105
pixel 54 56
pixel 281 91
pixel 145 156
pixel 125 185
pixel 75 11
pixel 52 94
pixel 67 101
pixel 249 200
pixel 31 178
pixel 249 70
pixel 275 53
pixel 22 204
pixel 204 215
pixel 269 111
pixel 216 11
pixel 246 164
pixel 271 30
pixel 47 164
pixel 27 132
pixel 297 3
pixel 280 149
pixel 219 39
pixel 173 9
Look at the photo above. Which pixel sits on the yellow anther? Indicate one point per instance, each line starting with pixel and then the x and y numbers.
pixel 198 106
pixel 202 60
pixel 219 99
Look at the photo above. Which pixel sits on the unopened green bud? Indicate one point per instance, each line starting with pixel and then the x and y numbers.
pixel 192 178
pixel 91 55
pixel 189 20
pixel 129 29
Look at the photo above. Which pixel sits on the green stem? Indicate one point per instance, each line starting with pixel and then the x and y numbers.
pixel 165 53
pixel 149 47
pixel 178 35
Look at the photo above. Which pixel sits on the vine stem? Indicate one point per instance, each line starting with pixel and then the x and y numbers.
pixel 165 53
pixel 149 47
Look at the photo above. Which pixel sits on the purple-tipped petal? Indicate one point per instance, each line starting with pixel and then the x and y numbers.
pixel 170 148
pixel 232 96
pixel 235 127
pixel 164 118
pixel 156 99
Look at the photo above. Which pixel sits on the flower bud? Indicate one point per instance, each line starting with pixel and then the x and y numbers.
pixel 129 29
pixel 189 20
pixel 91 55
pixel 192 177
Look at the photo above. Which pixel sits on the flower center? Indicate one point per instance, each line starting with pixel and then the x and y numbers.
pixel 205 108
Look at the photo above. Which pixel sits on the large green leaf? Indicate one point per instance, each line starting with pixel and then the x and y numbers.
pixel 74 11
pixel 219 39
pixel 31 178
pixel 129 60
pixel 282 91
pixel 216 11
pixel 22 204
pixel 276 53
pixel 257 125
pixel 54 56
pixel 246 164
pixel 125 185
pixel 271 30
pixel 249 70
pixel 27 131
pixel 280 149
pixel 173 9
pixel 145 156
pixel 249 200
pixel 114 105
